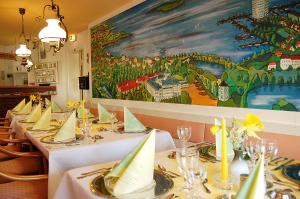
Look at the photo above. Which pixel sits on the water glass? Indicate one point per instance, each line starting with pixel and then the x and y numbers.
pixel 188 166
pixel 113 121
pixel 252 152
pixel 184 134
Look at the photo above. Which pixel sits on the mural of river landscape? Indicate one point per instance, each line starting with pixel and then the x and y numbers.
pixel 207 52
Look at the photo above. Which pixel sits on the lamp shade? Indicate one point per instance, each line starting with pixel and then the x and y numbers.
pixel 23 51
pixel 52 32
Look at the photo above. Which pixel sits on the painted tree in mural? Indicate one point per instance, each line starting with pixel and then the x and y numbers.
pixel 208 52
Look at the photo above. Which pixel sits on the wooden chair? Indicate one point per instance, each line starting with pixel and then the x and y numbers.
pixel 24 163
pixel 24 186
pixel 4 122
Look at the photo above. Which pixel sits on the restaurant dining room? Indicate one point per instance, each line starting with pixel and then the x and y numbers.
pixel 142 99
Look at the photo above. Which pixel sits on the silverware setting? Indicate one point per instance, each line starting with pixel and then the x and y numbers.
pixel 283 165
pixel 170 174
pixel 276 161
pixel 94 172
pixel 207 190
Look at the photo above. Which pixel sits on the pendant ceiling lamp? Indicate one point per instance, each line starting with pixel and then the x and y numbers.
pixel 55 33
pixel 22 51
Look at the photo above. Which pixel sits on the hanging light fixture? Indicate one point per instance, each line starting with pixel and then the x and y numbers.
pixel 22 51
pixel 53 33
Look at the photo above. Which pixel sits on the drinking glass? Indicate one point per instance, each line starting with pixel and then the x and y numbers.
pixel 184 134
pixel 113 121
pixel 251 150
pixel 188 165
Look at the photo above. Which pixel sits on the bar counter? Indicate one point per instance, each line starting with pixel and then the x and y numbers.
pixel 10 96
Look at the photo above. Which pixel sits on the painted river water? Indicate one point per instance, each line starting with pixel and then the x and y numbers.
pixel 264 97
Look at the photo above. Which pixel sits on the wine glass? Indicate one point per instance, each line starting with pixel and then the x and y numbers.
pixel 184 134
pixel 113 121
pixel 251 150
pixel 187 160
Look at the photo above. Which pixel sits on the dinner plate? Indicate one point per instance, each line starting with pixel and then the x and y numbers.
pixel 121 130
pixel 49 139
pixel 51 128
pixel 24 121
pixel 161 186
pixel 96 121
pixel 292 172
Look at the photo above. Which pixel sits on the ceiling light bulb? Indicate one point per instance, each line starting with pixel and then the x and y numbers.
pixel 52 32
pixel 23 51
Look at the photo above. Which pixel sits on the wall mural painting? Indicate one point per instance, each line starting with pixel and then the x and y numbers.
pixel 209 52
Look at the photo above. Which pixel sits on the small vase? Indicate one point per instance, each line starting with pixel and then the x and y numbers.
pixel 238 165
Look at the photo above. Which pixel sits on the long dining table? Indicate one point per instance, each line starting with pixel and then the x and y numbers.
pixel 109 146
pixel 77 185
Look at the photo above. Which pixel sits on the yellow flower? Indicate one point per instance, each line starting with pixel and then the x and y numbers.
pixel 253 120
pixel 38 98
pixel 70 104
pixel 252 125
pixel 214 129
pixel 32 97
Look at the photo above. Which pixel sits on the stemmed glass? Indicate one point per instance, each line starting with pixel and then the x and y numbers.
pixel 184 134
pixel 113 121
pixel 252 151
pixel 188 166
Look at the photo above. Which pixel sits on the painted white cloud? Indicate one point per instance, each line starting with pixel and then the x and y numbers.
pixel 266 99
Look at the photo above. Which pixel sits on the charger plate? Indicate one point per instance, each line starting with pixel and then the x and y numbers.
pixel 49 139
pixel 122 130
pixel 24 121
pixel 51 128
pixel 162 184
pixel 292 172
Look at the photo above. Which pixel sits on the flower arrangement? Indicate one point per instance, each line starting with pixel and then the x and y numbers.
pixel 35 98
pixel 241 130
pixel 74 105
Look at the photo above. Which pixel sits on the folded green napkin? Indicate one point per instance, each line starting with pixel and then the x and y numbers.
pixel 55 107
pixel 26 109
pixel 103 115
pixel 255 186
pixel 20 106
pixel 68 130
pixel 35 115
pixel 131 123
pixel 87 113
pixel 135 171
pixel 44 121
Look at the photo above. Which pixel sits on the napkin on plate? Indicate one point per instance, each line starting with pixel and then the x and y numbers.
pixel 44 121
pixel 218 134
pixel 131 123
pixel 87 113
pixel 103 115
pixel 20 106
pixel 35 115
pixel 68 130
pixel 55 107
pixel 255 186
pixel 135 171
pixel 26 109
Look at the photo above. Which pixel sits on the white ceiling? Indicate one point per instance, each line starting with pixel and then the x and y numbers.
pixel 78 14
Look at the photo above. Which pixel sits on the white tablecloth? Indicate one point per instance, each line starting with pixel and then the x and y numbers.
pixel 63 157
pixel 73 188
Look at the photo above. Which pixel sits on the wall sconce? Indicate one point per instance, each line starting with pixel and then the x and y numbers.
pixel 22 51
pixel 53 33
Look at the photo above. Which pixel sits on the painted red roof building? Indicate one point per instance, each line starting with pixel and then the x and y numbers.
pixel 129 85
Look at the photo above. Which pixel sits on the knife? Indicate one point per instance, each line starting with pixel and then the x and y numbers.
pixel 283 165
pixel 276 159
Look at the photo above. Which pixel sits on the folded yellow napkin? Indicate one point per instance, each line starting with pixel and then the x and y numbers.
pixel 255 186
pixel 26 109
pixel 35 115
pixel 68 130
pixel 135 171
pixel 131 123
pixel 44 121
pixel 20 106
pixel 103 115
pixel 48 102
